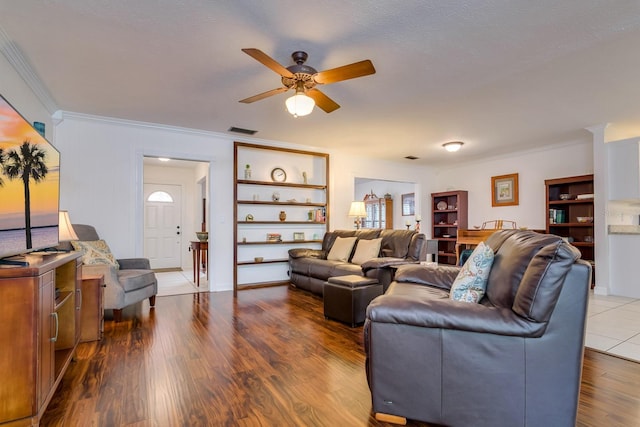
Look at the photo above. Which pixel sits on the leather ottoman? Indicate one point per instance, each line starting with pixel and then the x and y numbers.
pixel 346 298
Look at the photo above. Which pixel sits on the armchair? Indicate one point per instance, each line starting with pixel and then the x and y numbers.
pixel 514 359
pixel 131 283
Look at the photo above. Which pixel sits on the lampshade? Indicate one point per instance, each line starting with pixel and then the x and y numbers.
pixel 300 104
pixel 65 230
pixel 453 146
pixel 357 209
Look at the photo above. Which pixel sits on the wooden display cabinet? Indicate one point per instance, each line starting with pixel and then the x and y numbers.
pixel 38 333
pixel 448 214
pixel 567 199
pixel 379 212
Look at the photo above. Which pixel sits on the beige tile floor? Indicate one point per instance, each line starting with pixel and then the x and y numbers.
pixel 180 282
pixel 613 325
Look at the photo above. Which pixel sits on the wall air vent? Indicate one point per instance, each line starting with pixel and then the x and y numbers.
pixel 242 130
pixel 411 158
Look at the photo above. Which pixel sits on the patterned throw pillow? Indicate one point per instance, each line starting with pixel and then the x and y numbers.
pixel 95 252
pixel 471 282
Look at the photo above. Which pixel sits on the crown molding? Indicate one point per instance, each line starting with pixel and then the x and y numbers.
pixel 17 60
pixel 61 115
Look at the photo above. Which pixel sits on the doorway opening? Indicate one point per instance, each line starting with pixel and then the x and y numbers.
pixel 175 208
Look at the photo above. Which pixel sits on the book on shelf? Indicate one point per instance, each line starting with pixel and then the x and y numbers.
pixel 274 237
pixel 320 215
pixel 557 216
pixel 584 196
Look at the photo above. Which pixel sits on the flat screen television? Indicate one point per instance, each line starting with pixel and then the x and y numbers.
pixel 29 186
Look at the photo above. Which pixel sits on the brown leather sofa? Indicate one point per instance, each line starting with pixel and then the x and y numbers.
pixel 514 359
pixel 309 269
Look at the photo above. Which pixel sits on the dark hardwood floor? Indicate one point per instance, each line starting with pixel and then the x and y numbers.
pixel 267 358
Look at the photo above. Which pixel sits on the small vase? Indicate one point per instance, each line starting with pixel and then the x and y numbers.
pixel 282 216
pixel 247 172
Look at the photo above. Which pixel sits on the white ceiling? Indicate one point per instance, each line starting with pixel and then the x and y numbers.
pixel 501 75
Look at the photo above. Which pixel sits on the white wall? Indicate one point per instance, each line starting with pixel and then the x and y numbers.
pixel 533 167
pixel 396 189
pixel 103 173
pixel 102 178
pixel 345 169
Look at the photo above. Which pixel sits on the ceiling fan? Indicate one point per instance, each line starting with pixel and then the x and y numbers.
pixel 304 79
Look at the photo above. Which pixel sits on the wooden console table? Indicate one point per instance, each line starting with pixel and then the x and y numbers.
pixel 199 250
pixel 468 238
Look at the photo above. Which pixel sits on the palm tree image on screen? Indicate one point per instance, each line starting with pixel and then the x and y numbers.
pixel 27 163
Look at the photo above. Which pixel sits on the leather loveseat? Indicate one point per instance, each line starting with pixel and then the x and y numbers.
pixel 309 269
pixel 514 359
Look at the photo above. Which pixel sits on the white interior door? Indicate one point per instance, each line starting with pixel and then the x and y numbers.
pixel 162 225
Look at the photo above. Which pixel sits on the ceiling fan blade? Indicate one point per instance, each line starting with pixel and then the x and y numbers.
pixel 346 72
pixel 263 95
pixel 268 61
pixel 323 101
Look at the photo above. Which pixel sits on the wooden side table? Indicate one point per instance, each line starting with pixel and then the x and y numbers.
pixel 92 311
pixel 199 250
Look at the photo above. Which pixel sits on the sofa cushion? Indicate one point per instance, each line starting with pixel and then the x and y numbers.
pixel 511 261
pixel 135 279
pixel 341 249
pixel 95 252
pixel 471 282
pixel 542 282
pixel 365 250
pixel 395 243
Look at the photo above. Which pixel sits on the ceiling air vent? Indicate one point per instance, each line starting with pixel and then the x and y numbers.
pixel 411 158
pixel 241 130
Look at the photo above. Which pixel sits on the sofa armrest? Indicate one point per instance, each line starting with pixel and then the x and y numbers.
pixel 134 264
pixel 412 309
pixel 440 276
pixel 306 253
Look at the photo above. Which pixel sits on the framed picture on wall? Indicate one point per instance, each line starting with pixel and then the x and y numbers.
pixel 408 204
pixel 504 190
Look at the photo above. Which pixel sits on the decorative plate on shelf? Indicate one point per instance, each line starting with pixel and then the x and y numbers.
pixel 442 205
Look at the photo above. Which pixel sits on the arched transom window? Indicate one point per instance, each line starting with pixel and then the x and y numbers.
pixel 160 196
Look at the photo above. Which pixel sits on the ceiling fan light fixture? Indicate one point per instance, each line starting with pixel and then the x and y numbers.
pixel 300 104
pixel 453 146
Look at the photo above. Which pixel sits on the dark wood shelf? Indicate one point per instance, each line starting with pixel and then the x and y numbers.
pixel 571 202
pixel 283 203
pixel 282 184
pixel 278 242
pixel 571 224
pixel 281 222
pixel 264 261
